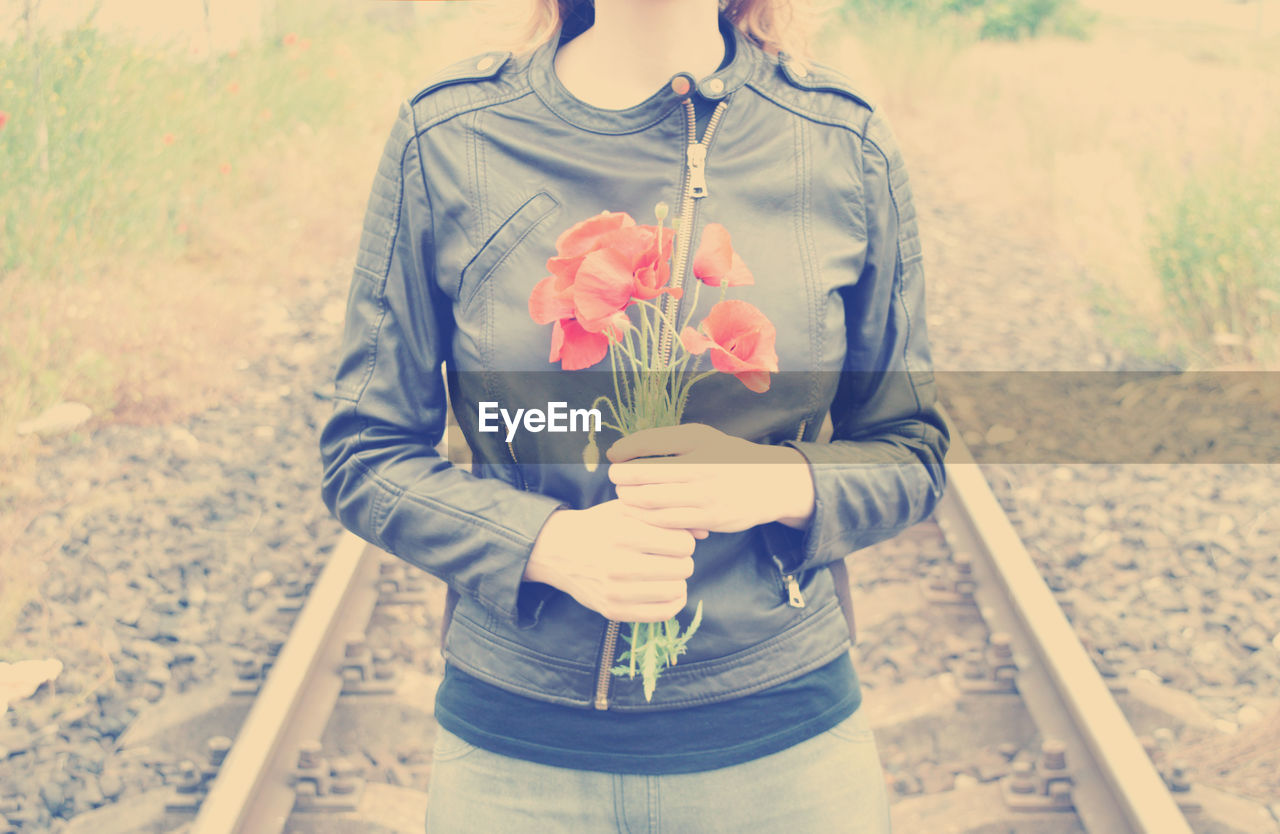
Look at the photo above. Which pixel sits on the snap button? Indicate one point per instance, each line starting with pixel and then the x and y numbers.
pixel 799 70
pixel 680 85
pixel 484 63
pixel 715 86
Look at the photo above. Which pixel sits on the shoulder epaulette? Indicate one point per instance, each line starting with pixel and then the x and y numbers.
pixel 821 77
pixel 476 68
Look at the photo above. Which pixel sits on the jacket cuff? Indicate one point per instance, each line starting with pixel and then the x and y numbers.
pixel 474 552
pixel 504 589
pixel 857 498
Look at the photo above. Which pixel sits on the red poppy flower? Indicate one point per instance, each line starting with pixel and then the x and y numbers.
pixel 652 270
pixel 583 237
pixel 552 298
pixel 168 138
pixel 715 261
pixel 601 264
pixel 741 340
pixel 602 287
pixel 4 119
pixel 631 262
pixel 290 39
pixel 575 347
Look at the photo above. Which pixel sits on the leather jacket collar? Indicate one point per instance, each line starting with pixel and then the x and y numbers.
pixel 546 84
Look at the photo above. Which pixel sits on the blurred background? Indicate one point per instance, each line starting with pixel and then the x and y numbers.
pixel 182 187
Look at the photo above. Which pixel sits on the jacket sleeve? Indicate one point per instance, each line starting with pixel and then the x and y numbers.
pixel 882 470
pixel 383 478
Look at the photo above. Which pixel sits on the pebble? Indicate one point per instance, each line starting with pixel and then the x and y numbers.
pixel 56 420
pixel 183 443
pixel 1253 638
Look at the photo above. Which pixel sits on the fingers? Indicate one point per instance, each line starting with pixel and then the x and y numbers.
pixel 658 496
pixel 683 519
pixel 658 539
pixel 653 569
pixel 666 440
pixel 647 610
pixel 655 471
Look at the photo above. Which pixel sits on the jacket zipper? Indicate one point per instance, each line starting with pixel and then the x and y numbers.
pixel 695 186
pixel 519 474
pixel 790 584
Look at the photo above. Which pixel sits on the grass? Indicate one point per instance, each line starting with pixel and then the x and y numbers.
pixel 136 183
pixel 157 200
pixel 1215 245
pixel 1143 152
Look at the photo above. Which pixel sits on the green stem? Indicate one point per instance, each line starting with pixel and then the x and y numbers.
pixel 684 394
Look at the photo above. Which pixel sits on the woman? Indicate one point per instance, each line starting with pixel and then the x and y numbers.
pixel 625 104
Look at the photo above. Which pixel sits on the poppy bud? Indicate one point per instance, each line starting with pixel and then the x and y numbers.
pixel 660 211
pixel 591 454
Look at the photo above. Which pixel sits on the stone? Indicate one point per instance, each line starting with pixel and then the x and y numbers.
pixel 56 420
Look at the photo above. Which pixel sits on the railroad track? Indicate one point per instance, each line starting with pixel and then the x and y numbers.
pixel 1084 768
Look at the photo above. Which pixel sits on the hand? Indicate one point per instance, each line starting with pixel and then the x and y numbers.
pixel 613 562
pixel 709 480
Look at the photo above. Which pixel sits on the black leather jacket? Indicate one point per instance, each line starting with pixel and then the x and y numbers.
pixel 483 169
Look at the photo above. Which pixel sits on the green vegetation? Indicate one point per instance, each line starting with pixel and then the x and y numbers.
pixel 108 146
pixel 987 19
pixel 151 191
pixel 1215 245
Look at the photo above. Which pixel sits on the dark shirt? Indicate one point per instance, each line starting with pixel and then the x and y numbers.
pixel 660 741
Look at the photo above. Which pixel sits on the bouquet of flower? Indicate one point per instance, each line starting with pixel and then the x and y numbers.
pixel 605 269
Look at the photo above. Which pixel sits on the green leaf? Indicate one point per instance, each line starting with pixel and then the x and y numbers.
pixel 697 621
pixel 649 669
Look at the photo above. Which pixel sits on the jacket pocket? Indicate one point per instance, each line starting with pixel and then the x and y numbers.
pixel 501 243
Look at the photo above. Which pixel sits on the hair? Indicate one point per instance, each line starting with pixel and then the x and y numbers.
pixel 774 25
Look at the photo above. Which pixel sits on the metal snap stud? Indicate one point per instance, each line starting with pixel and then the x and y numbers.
pixel 799 70
pixel 715 86
pixel 680 85
pixel 484 63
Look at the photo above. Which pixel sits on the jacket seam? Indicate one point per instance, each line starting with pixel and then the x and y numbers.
pixel 486 675
pixel 487 224
pixel 811 267
pixel 490 634
pixel 899 269
pixel 431 503
pixel 769 680
pixel 812 115
pixel 381 284
pixel 483 280
pixel 766 681
pixel 799 626
pixel 460 110
pixel 422 170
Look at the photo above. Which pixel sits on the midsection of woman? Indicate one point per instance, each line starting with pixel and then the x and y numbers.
pixel 483 171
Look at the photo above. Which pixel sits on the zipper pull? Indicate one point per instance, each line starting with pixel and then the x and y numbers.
pixel 697 158
pixel 794 598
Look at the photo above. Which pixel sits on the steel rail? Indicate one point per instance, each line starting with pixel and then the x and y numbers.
pixel 1116 786
pixel 252 793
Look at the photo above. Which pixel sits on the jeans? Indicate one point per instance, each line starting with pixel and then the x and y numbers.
pixel 832 783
